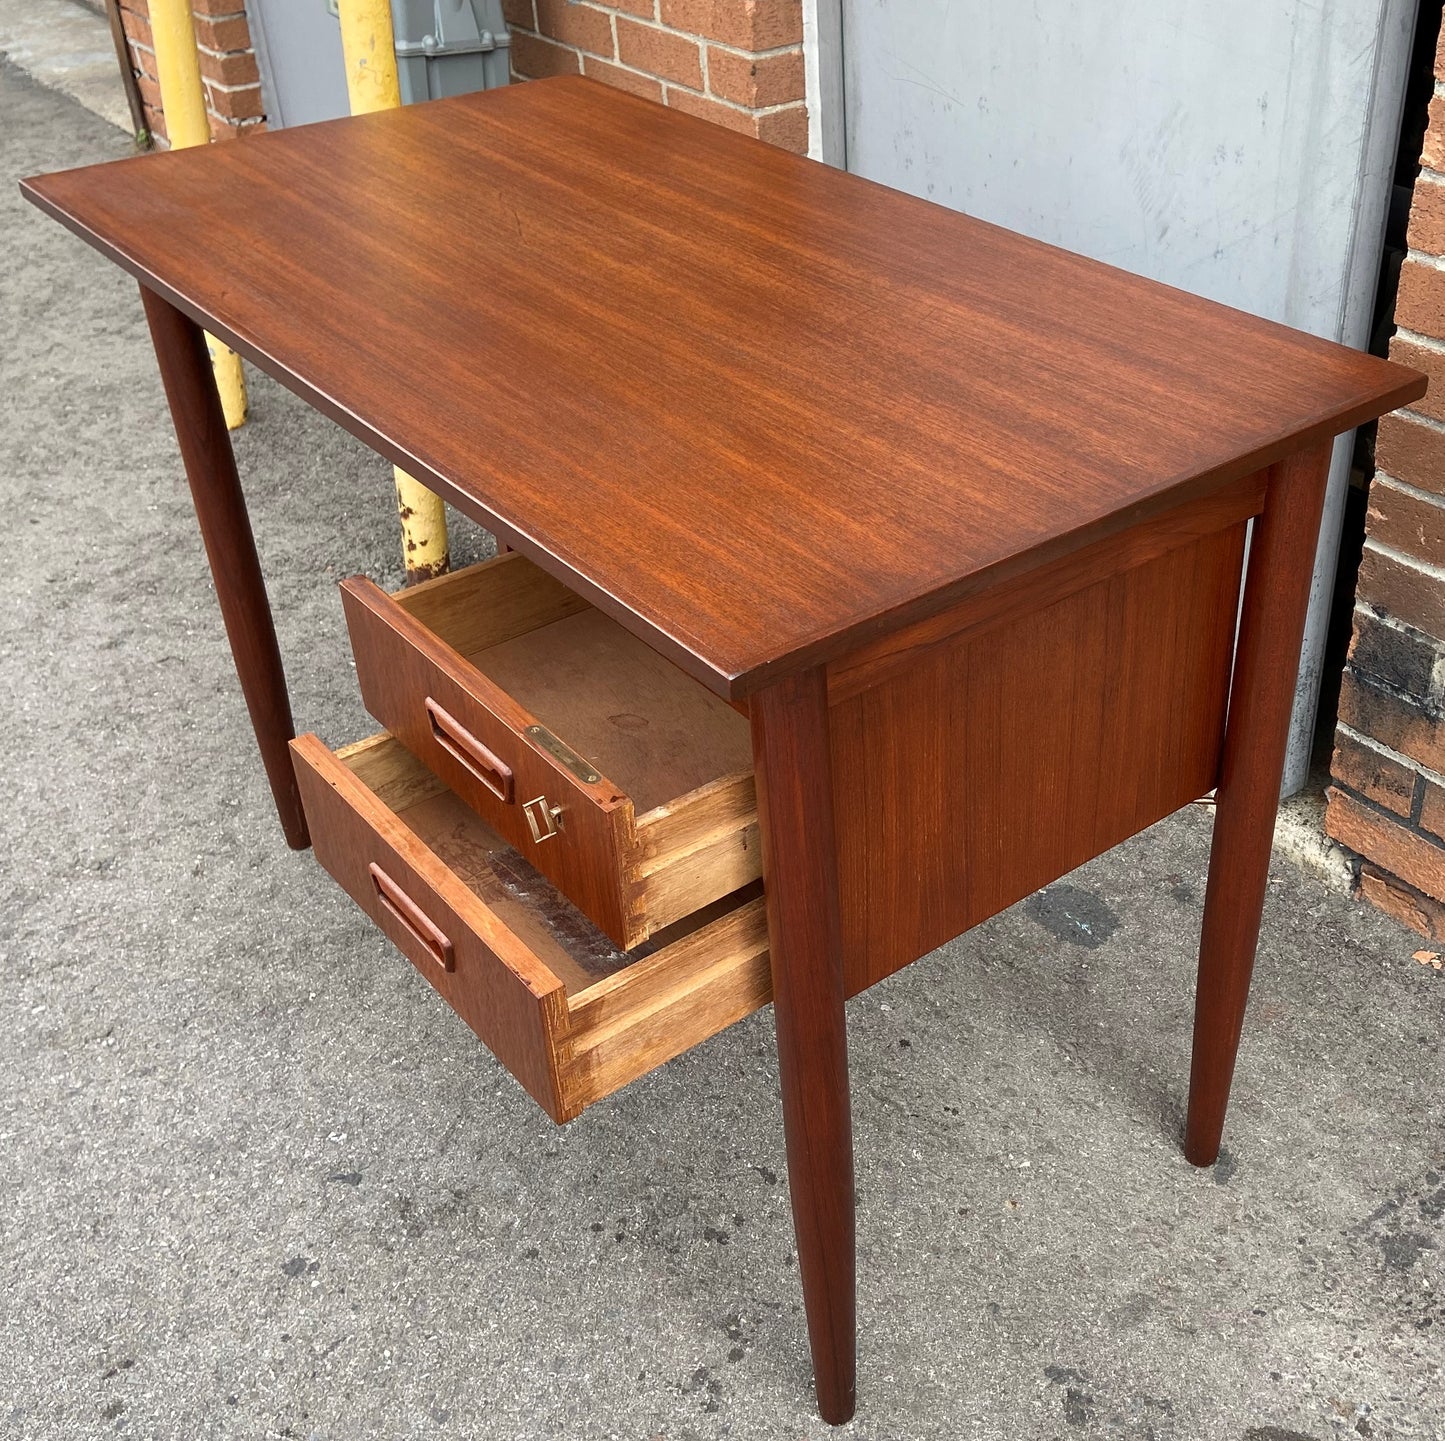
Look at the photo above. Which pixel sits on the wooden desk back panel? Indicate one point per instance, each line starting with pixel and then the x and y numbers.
pixel 996 761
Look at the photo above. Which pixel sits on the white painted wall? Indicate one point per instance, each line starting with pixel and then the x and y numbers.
pixel 1241 150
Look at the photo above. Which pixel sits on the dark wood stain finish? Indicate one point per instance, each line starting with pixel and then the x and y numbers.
pixel 464 669
pixel 570 1015
pixel 954 516
pixel 795 814
pixel 205 446
pixel 678 351
pixel 998 761
pixel 1266 664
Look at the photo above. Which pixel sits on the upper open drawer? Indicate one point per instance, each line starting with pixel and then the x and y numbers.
pixel 621 779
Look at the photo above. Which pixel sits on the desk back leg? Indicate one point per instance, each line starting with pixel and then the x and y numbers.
pixel 210 463
pixel 793 766
pixel 1276 596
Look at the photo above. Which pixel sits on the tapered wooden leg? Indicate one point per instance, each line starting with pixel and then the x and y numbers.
pixel 210 465
pixel 795 812
pixel 1266 664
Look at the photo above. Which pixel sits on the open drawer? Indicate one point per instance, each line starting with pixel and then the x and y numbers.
pixel 570 1015
pixel 620 778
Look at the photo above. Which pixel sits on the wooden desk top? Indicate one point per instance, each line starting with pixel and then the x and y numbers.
pixel 757 409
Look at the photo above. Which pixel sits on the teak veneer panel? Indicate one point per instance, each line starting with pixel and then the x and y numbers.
pixel 759 410
pixel 997 762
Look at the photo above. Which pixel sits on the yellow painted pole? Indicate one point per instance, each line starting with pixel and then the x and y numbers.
pixel 178 69
pixel 369 51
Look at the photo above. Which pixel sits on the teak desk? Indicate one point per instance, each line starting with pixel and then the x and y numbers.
pixel 954 519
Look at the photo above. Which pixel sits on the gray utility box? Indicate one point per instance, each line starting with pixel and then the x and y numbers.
pixel 449 47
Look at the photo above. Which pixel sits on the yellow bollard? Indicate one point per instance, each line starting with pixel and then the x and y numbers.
pixel 369 51
pixel 183 99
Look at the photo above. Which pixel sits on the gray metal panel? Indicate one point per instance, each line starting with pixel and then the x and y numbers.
pixel 1239 150
pixel 298 49
pixel 449 47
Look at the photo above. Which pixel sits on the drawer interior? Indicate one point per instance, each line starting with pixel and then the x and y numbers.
pixel 645 725
pixel 653 731
pixel 626 1011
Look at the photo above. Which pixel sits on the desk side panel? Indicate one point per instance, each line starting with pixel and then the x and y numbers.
pixel 1000 760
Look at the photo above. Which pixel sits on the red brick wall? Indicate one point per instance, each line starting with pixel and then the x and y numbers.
pixel 228 66
pixel 738 63
pixel 1387 800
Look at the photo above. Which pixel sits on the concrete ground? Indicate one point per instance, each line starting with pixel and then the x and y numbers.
pixel 67 46
pixel 255 1181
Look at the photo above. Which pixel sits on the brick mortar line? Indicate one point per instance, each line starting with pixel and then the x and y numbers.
pixel 221 54
pixel 620 65
pixel 1431 711
pixel 1410 827
pixel 1416 337
pixel 667 85
pixel 682 35
pixel 230 89
pixel 1423 257
pixel 1419 416
pixel 1425 567
pixel 577 50
pixel 794 49
pixel 733 104
pixel 1390 753
pixel 704 42
pixel 1393 622
pixel 1414 491
pixel 659 24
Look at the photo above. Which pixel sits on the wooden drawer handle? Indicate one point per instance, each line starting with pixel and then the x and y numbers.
pixel 412 919
pixel 469 753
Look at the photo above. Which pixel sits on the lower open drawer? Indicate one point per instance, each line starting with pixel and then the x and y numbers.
pixel 570 1015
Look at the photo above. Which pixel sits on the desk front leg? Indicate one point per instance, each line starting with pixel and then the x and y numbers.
pixel 1266 665
pixel 210 463
pixel 792 763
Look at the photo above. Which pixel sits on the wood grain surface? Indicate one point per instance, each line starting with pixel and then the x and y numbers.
pixel 1266 663
pixel 210 464
pixel 795 816
pixel 997 762
pixel 759 410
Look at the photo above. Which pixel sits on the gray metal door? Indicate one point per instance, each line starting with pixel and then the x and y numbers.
pixel 298 48
pixel 1236 149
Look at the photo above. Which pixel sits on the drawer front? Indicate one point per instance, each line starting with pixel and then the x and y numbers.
pixel 493 754
pixel 490 978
